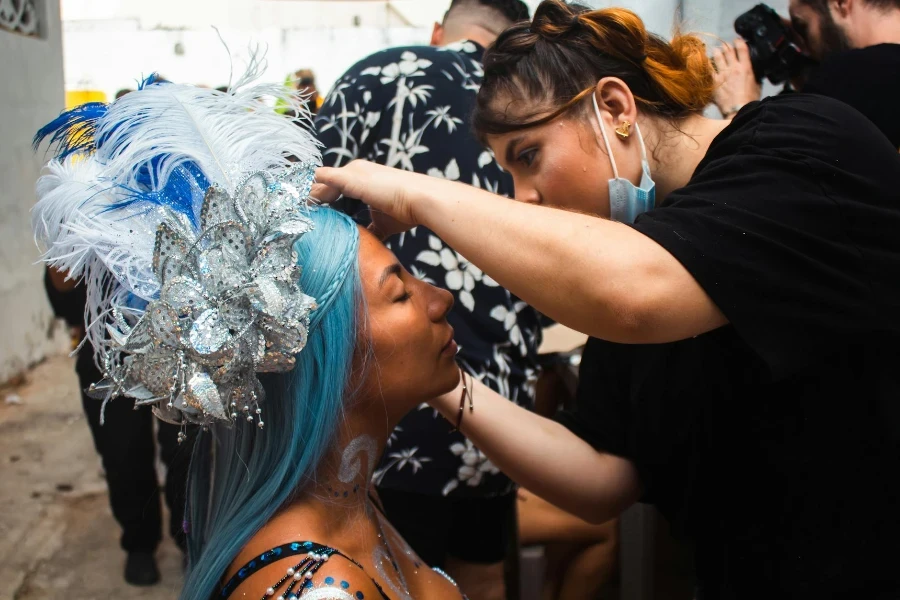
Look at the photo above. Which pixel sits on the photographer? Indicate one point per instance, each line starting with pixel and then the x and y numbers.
pixel 858 45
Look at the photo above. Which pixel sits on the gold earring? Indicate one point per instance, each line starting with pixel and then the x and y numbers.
pixel 624 130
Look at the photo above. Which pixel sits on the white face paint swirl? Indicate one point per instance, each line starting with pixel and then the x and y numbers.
pixel 351 464
pixel 395 541
pixel 327 593
pixel 390 573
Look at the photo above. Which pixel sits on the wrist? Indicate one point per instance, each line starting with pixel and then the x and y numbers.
pixel 432 204
pixel 729 111
pixel 425 201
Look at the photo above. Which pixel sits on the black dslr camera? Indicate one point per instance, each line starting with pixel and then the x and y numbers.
pixel 773 52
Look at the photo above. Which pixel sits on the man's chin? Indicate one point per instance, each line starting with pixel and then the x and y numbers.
pixel 833 39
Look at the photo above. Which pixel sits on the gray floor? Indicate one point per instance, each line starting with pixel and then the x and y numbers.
pixel 57 536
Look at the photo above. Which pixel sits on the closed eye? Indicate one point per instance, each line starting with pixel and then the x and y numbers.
pixel 406 296
pixel 526 157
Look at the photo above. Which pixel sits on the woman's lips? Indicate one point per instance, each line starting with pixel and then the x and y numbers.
pixel 450 348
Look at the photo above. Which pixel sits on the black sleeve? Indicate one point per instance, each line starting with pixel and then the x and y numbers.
pixel 601 408
pixel 763 227
pixel 640 402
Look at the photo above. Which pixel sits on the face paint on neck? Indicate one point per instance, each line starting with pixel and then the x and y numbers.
pixel 349 492
pixel 383 559
pixel 389 571
pixel 351 463
pixel 396 542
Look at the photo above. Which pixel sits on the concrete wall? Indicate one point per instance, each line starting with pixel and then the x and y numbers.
pixel 715 18
pixel 31 94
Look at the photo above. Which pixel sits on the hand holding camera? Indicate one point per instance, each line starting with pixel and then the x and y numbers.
pixel 736 83
pixel 767 49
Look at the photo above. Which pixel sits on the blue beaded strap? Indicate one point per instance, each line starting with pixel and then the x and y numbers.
pixel 266 558
pixel 299 576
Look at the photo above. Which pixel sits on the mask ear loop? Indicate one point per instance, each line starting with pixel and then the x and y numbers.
pixel 637 130
pixel 612 159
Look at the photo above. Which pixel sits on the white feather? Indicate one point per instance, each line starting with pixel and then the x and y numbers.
pixel 227 135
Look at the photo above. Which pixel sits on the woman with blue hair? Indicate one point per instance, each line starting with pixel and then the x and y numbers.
pixel 220 295
pixel 379 348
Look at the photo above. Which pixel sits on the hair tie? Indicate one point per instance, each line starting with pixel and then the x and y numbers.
pixel 576 21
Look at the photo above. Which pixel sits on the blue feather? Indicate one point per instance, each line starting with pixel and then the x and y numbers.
pixel 150 80
pixel 73 130
pixel 183 192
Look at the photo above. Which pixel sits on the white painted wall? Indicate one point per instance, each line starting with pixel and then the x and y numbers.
pixel 119 57
pixel 110 43
pixel 31 94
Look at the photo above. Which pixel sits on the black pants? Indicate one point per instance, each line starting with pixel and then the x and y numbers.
pixel 125 443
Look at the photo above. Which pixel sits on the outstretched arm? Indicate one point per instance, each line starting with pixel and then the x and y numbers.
pixel 545 457
pixel 593 275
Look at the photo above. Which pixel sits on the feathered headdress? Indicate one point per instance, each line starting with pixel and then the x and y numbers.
pixel 180 206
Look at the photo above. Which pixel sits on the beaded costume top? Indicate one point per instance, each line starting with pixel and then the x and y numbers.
pixel 297 582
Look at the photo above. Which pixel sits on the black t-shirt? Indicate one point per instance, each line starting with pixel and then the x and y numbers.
pixel 868 79
pixel 774 442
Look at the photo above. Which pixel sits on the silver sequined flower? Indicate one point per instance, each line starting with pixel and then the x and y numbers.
pixel 230 305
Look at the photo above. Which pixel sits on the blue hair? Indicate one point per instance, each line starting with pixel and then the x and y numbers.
pixel 240 476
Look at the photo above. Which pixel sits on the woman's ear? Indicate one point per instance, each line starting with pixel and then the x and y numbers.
pixel 437 34
pixel 615 101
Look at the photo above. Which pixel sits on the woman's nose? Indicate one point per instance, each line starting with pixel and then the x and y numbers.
pixel 439 304
pixel 528 195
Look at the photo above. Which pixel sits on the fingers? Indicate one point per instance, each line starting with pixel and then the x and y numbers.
pixel 742 50
pixel 731 58
pixel 377 232
pixel 324 194
pixel 331 183
pixel 724 56
pixel 718 60
pixel 384 226
pixel 329 177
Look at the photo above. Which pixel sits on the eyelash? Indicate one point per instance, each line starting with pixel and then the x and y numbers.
pixel 526 153
pixel 404 297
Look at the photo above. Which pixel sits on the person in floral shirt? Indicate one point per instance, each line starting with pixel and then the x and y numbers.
pixel 409 108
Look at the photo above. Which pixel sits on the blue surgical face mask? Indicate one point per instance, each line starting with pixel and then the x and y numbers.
pixel 626 200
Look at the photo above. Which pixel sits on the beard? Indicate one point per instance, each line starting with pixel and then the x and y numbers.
pixel 832 37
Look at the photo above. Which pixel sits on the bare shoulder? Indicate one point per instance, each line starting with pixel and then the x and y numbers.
pixel 295 572
pixel 334 579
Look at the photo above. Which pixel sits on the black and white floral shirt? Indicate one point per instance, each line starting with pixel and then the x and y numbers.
pixel 409 108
